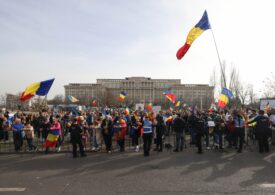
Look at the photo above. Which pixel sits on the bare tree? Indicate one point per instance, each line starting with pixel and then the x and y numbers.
pixel 58 99
pixel 2 100
pixel 269 82
pixel 251 94
pixel 39 104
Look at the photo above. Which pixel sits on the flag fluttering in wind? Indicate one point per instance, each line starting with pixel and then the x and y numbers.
pixel 193 34
pixel 150 107
pixel 122 96
pixel 127 111
pixel 267 107
pixel 169 119
pixel 73 99
pixel 224 97
pixel 94 102
pixel 170 96
pixel 177 104
pixel 40 88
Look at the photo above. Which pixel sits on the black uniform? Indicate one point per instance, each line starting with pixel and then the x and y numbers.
pixel 262 132
pixel 76 130
pixel 199 126
pixel 160 131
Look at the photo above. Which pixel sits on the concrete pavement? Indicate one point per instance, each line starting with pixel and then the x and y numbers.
pixel 130 173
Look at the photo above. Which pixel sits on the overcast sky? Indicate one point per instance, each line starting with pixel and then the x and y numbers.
pixel 80 41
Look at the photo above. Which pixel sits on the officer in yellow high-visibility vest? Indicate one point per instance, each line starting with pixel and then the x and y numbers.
pixel 251 126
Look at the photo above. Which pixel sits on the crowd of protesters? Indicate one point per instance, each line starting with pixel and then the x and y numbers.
pixel 91 130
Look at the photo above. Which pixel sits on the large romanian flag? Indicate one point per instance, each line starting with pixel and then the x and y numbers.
pixel 51 139
pixel 40 88
pixel 224 97
pixel 170 96
pixel 193 34
pixel 122 96
pixel 73 99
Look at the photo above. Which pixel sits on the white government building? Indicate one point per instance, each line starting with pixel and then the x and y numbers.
pixel 143 90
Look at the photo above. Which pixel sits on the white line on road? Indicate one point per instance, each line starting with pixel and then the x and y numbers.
pixel 12 189
pixel 267 185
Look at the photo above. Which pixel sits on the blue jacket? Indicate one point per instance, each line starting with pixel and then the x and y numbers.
pixel 147 126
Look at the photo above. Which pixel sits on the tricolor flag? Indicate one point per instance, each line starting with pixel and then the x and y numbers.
pixel 40 88
pixel 127 111
pixel 94 103
pixel 267 107
pixel 72 99
pixel 224 97
pixel 122 96
pixel 150 107
pixel 170 96
pixel 193 34
pixel 177 104
pixel 169 119
pixel 51 139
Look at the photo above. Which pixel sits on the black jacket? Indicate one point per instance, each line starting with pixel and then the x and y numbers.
pixel 75 131
pixel 178 125
pixel 262 126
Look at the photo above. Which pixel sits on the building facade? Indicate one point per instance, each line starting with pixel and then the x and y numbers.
pixel 13 103
pixel 142 90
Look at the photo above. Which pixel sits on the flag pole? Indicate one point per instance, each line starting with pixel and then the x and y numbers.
pixel 223 74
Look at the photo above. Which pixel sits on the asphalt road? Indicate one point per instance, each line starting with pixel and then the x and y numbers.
pixel 130 173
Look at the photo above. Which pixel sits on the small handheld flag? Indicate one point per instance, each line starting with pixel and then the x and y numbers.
pixel 127 111
pixel 94 102
pixel 267 107
pixel 170 96
pixel 72 99
pixel 150 107
pixel 40 88
pixel 177 104
pixel 122 96
pixel 193 34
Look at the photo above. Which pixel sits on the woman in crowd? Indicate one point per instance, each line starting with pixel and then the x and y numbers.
pixel 17 129
pixel 29 133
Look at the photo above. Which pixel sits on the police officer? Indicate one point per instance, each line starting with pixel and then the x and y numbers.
pixel 199 127
pixel 76 129
pixel 262 131
pixel 239 127
pixel 160 131
pixel 147 135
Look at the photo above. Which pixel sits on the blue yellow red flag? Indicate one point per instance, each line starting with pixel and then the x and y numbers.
pixel 193 34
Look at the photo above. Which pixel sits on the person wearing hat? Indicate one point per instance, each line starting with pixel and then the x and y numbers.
pixel 75 131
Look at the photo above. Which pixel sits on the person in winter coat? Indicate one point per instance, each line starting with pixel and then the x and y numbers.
pixel 262 131
pixel 179 127
pixel 75 131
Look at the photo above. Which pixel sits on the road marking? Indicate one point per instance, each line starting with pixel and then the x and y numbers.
pixel 267 185
pixel 12 189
